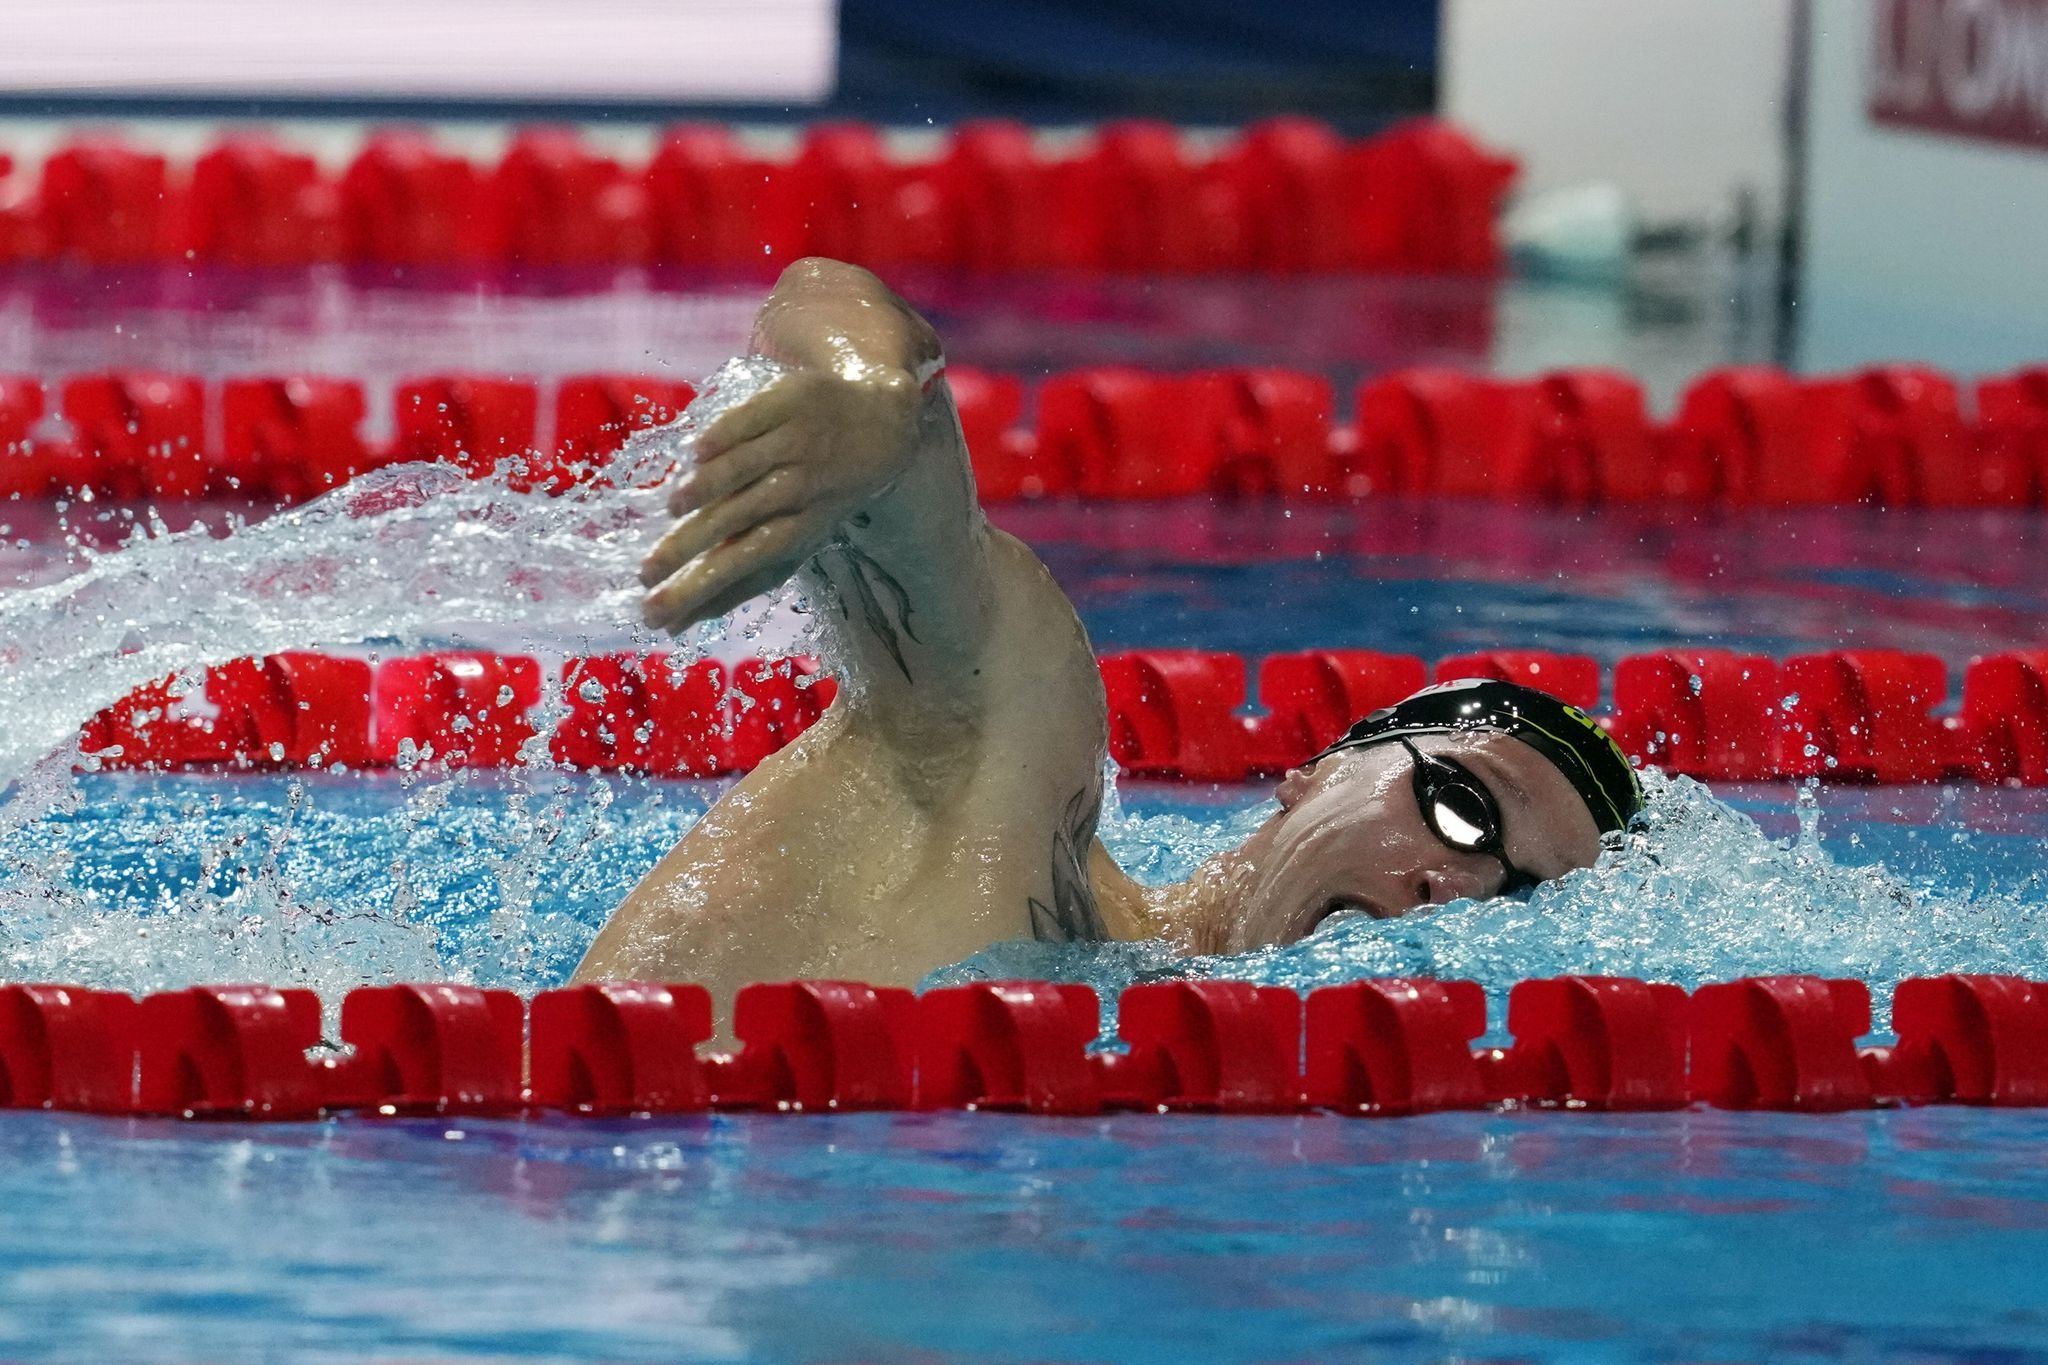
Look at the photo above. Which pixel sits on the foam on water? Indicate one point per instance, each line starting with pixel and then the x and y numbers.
pixel 1695 892
pixel 332 880
pixel 327 880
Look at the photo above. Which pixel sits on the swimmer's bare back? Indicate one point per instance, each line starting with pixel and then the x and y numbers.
pixel 949 796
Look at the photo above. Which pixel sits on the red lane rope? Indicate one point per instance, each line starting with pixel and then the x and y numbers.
pixel 1285 196
pixel 1892 435
pixel 1866 715
pixel 1389 1046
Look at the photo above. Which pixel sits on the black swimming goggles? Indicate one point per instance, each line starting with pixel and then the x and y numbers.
pixel 1462 813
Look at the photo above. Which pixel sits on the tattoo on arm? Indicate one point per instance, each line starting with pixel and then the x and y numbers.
pixel 1073 914
pixel 884 605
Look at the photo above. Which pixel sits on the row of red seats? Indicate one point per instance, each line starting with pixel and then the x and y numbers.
pixel 135 436
pixel 1287 195
pixel 1845 715
pixel 1391 1046
pixel 1899 436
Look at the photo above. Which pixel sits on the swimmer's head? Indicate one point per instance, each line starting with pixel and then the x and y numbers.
pixel 1465 790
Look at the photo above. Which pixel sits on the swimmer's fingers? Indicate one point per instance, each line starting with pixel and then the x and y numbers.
pixel 744 590
pixel 758 416
pixel 716 582
pixel 727 475
pixel 776 493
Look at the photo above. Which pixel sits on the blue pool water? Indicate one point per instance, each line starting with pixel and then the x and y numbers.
pixel 1913 1236
pixel 1437 577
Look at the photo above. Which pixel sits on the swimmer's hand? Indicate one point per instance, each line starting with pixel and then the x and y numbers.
pixel 774 479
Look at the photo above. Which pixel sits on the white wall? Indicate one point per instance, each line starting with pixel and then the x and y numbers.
pixel 1677 100
pixel 752 51
pixel 1918 245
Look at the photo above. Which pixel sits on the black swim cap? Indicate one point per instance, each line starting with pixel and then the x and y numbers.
pixel 1572 740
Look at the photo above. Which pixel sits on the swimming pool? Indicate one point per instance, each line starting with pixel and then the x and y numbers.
pixel 1914 1235
pixel 1891 1235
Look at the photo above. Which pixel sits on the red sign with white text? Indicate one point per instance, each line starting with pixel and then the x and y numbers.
pixel 1967 68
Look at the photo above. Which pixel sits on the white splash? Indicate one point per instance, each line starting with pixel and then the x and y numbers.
pixel 407 556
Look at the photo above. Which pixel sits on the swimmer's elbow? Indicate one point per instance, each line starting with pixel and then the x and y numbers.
pixel 820 305
pixel 823 272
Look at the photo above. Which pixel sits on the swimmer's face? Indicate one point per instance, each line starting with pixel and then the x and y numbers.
pixel 1350 837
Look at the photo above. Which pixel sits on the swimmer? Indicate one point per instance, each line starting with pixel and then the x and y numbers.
pixel 948 797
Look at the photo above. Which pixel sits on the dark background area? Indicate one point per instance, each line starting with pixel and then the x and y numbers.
pixel 1193 61
pixel 1357 63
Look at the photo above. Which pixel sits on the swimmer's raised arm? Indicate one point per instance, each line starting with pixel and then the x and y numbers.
pixel 849 471
pixel 948 798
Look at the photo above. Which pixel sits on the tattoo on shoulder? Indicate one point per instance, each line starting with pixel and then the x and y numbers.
pixel 1073 914
pixel 884 605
